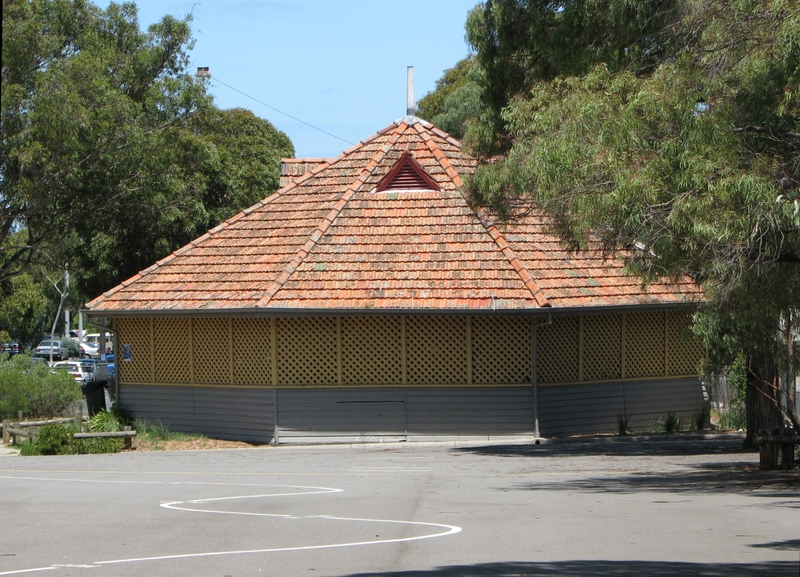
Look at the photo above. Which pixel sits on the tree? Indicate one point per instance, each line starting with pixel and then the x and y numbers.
pixel 456 99
pixel 222 162
pixel 673 140
pixel 86 98
pixel 113 156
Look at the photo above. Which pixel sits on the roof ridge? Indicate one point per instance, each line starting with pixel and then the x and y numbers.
pixel 440 156
pixel 496 235
pixel 320 231
pixel 511 256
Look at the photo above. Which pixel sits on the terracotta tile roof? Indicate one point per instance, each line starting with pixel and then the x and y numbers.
pixel 329 240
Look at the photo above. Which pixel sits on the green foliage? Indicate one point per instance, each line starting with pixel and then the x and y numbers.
pixel 734 419
pixel 110 421
pixel 670 138
pixel 623 419
pixel 456 99
pixel 23 309
pixel 701 417
pixel 113 154
pixel 669 422
pixel 56 439
pixel 33 389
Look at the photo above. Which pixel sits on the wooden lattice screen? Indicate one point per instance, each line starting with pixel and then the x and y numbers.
pixel 139 369
pixel 172 351
pixel 501 350
pixel 372 351
pixel 418 351
pixel 602 339
pixel 307 351
pixel 644 344
pixel 558 351
pixel 437 350
pixel 252 352
pixel 684 351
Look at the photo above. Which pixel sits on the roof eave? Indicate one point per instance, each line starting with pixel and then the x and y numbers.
pixel 274 312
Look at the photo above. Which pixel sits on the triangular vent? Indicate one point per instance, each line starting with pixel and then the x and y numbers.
pixel 407 174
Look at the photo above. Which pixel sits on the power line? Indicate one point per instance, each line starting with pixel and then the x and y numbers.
pixel 281 111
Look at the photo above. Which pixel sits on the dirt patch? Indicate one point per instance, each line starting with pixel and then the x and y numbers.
pixel 194 444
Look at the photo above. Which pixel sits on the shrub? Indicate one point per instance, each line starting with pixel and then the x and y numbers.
pixel 622 422
pixel 701 417
pixel 670 422
pixel 733 419
pixel 31 387
pixel 56 439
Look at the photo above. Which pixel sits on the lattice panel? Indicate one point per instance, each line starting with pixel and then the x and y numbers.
pixel 558 351
pixel 372 351
pixel 501 350
pixel 252 352
pixel 172 350
pixel 211 351
pixel 307 351
pixel 136 333
pixel 601 347
pixel 684 351
pixel 437 350
pixel 644 344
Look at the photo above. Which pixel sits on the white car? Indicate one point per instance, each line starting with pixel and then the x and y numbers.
pixel 76 369
pixel 89 350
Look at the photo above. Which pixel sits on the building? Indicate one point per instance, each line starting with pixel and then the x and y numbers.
pixel 366 300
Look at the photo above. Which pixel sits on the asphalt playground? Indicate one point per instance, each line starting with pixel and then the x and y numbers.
pixel 596 509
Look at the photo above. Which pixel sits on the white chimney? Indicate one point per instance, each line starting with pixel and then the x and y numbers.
pixel 411 108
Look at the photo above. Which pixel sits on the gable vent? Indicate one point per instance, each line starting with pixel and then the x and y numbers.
pixel 407 174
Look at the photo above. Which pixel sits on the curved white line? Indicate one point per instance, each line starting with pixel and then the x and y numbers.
pixel 174 505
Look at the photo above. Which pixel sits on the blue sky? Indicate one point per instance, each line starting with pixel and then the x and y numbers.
pixel 339 65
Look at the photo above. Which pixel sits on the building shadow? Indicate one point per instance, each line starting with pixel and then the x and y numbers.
pixel 790 545
pixel 590 568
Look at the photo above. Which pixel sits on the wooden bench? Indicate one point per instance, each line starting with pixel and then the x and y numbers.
pixel 776 448
pixel 127 436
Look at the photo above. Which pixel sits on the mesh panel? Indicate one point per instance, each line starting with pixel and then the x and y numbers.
pixel 644 344
pixel 601 347
pixel 372 351
pixel 136 333
pixel 501 350
pixel 172 351
pixel 558 351
pixel 212 359
pixel 437 350
pixel 307 351
pixel 684 351
pixel 252 346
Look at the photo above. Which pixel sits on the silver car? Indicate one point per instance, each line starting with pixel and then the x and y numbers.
pixel 60 352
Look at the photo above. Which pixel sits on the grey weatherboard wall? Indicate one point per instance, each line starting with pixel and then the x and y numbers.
pixel 307 415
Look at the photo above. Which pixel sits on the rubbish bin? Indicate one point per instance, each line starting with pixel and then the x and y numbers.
pixel 95 396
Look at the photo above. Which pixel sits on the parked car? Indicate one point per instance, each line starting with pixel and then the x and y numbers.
pixel 10 349
pixel 89 350
pixel 76 369
pixel 60 351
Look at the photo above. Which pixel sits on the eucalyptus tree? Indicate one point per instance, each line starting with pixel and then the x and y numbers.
pixel 669 132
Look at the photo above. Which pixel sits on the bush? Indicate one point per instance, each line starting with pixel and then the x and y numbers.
pixel 733 419
pixel 669 423
pixel 56 439
pixel 31 387
pixel 108 421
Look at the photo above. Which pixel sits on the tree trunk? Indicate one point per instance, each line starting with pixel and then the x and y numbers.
pixel 762 399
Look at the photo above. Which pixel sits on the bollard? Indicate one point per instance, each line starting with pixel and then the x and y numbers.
pixel 78 418
pixel 19 416
pixel 33 433
pixel 6 426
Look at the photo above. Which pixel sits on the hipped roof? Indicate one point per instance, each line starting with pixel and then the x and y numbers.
pixel 329 241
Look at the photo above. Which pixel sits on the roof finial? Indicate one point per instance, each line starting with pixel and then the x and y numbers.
pixel 411 108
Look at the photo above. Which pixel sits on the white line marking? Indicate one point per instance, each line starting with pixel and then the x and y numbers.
pixel 29 570
pixel 310 490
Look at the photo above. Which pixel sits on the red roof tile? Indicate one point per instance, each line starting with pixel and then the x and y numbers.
pixel 330 240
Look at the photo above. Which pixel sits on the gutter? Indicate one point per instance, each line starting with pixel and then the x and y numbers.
pixel 296 312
